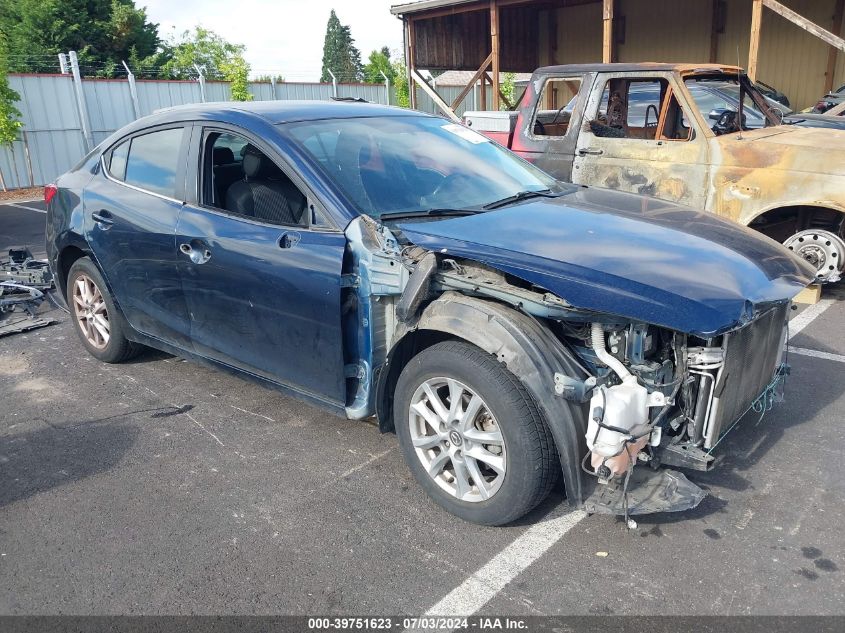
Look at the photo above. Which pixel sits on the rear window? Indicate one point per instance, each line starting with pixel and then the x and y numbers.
pixel 152 162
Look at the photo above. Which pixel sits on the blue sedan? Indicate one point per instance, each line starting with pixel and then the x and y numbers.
pixel 511 329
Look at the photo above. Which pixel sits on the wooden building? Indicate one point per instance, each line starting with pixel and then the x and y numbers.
pixel 793 45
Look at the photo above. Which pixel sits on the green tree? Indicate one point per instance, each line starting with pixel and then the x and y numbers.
pixel 9 123
pixel 236 71
pixel 340 55
pixel 400 81
pixel 201 47
pixel 266 78
pixel 508 90
pixel 379 62
pixel 101 31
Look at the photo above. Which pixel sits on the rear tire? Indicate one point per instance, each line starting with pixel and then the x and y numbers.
pixel 99 324
pixel 463 418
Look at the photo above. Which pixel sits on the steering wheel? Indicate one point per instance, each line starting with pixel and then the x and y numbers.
pixel 656 115
pixel 557 114
pixel 727 123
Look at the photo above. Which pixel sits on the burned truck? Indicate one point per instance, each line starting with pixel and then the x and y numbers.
pixel 668 131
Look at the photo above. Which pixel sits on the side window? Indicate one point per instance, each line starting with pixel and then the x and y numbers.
pixel 153 161
pixel 241 180
pixel 117 160
pixel 633 110
pixel 555 106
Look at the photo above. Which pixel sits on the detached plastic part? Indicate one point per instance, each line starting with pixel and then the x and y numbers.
pixel 649 492
pixel 416 290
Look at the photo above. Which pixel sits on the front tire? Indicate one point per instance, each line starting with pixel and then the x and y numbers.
pixel 99 324
pixel 472 435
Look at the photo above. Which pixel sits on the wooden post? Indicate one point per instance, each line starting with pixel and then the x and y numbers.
pixel 607 36
pixel 494 43
pixel 754 47
pixel 804 23
pixel 412 66
pixel 438 100
pixel 472 82
pixel 714 33
pixel 833 53
pixel 484 91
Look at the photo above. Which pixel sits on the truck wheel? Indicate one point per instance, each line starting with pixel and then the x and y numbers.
pixel 823 249
pixel 472 435
pixel 99 324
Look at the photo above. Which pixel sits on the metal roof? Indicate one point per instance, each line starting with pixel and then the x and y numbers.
pixel 426 5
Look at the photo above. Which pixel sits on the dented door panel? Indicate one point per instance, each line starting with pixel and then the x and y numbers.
pixel 673 170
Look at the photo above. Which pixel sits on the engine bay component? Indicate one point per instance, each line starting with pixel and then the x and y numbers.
pixel 619 426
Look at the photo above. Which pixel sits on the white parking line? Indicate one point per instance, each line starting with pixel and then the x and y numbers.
pixel 483 585
pixel 817 354
pixel 808 316
pixel 21 206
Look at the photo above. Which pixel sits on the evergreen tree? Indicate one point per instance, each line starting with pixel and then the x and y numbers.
pixel 340 54
pixel 103 32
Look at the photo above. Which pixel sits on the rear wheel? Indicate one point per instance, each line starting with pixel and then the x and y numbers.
pixel 822 249
pixel 472 435
pixel 100 326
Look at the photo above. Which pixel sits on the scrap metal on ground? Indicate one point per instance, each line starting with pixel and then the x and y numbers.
pixel 24 282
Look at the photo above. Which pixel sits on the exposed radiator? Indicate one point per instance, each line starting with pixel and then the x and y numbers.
pixel 752 354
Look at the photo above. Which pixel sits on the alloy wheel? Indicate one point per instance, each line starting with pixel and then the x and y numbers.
pixel 457 439
pixel 89 307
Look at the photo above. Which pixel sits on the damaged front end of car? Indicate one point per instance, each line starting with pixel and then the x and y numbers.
pixel 625 397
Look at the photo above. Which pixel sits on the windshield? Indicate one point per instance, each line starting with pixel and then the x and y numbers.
pixel 415 163
pixel 712 95
pixel 733 91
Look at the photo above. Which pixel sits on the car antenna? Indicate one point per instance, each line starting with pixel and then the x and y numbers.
pixel 739 114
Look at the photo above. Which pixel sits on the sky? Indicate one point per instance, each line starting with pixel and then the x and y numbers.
pixel 282 36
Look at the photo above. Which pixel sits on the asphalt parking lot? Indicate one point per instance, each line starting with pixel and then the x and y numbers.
pixel 162 487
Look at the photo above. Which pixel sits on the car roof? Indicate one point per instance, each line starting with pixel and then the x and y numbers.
pixel 643 66
pixel 283 111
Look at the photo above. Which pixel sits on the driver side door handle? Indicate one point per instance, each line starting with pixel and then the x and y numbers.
pixel 102 218
pixel 591 151
pixel 197 251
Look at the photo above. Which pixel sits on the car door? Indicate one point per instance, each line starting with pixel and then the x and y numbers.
pixel 639 136
pixel 548 140
pixel 262 289
pixel 132 206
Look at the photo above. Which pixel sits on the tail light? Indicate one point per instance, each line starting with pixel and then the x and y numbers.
pixel 50 192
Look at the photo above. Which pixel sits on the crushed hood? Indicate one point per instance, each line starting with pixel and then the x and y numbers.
pixel 627 255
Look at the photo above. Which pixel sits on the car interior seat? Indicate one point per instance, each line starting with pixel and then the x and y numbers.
pixel 264 192
pixel 226 172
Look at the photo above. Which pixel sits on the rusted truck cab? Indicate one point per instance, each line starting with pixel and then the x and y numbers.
pixel 651 129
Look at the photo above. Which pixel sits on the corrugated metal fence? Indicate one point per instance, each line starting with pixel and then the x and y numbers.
pixel 52 138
